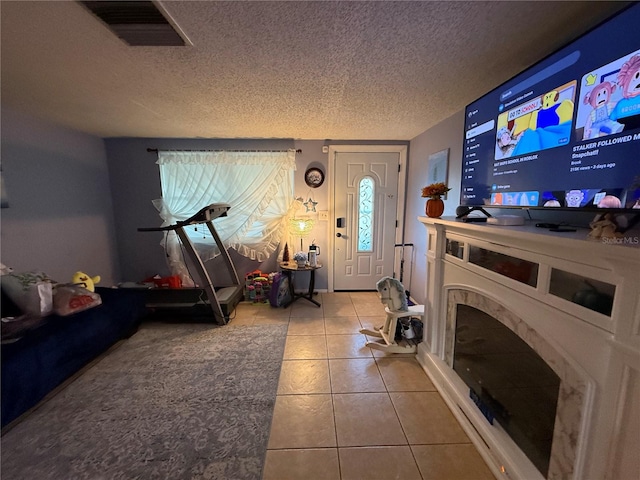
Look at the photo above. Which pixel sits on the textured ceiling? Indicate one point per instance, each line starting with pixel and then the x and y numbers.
pixel 293 69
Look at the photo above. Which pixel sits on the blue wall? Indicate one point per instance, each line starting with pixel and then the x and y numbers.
pixel 60 215
pixel 136 183
pixel 447 134
pixel 76 201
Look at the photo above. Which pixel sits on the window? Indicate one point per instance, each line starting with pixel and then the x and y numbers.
pixel 365 214
pixel 257 185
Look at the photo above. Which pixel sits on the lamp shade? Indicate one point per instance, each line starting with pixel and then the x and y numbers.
pixel 301 227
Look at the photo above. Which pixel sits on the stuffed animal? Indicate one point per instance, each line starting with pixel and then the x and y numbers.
pixel 604 227
pixel 392 294
pixel 84 280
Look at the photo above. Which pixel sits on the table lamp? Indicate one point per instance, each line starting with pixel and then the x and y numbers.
pixel 301 227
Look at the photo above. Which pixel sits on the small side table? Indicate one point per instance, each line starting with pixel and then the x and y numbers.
pixel 288 268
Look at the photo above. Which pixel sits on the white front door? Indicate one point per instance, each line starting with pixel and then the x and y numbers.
pixel 365 214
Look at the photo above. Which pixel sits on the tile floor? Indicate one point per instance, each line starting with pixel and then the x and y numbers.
pixel 347 412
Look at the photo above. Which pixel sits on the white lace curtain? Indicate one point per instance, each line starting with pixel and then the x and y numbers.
pixel 257 185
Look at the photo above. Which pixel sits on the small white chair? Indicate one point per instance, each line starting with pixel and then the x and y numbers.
pixel 388 331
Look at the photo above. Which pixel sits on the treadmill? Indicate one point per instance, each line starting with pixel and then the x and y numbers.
pixel 207 299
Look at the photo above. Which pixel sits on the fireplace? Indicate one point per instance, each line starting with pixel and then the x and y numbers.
pixel 544 383
pixel 511 382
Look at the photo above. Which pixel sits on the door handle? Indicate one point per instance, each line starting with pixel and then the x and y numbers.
pixel 338 235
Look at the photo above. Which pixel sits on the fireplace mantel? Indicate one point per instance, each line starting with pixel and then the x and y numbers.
pixel 578 300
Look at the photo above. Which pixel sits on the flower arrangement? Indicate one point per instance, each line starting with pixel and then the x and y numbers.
pixel 300 257
pixel 435 190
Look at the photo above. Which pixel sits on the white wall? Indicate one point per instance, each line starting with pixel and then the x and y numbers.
pixel 60 215
pixel 447 134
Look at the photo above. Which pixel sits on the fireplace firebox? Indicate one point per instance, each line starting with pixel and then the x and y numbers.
pixel 508 381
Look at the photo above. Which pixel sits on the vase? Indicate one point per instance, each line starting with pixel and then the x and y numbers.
pixel 434 207
pixel 301 263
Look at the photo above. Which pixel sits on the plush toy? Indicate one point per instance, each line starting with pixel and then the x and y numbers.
pixel 604 227
pixel 77 296
pixel 84 280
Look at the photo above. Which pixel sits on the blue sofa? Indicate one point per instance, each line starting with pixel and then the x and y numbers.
pixel 48 354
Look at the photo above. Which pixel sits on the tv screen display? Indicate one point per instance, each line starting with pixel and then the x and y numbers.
pixel 565 132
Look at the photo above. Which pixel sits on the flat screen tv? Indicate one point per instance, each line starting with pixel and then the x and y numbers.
pixel 565 133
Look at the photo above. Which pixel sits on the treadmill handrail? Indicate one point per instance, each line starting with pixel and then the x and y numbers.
pixel 210 212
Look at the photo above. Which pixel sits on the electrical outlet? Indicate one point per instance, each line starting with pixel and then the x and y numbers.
pixel 323 215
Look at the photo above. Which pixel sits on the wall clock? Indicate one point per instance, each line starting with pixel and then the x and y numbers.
pixel 314 177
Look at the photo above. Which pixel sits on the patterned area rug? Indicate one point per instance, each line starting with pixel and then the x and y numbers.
pixel 174 401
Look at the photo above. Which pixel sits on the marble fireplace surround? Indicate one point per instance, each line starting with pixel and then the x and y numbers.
pixel 573 397
pixel 596 355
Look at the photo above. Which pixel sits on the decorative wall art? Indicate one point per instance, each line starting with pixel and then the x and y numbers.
pixel 310 205
pixel 314 177
pixel 438 168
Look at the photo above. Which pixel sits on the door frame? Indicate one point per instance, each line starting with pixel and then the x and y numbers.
pixel 400 206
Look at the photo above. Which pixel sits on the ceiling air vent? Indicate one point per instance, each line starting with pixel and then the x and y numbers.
pixel 138 23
